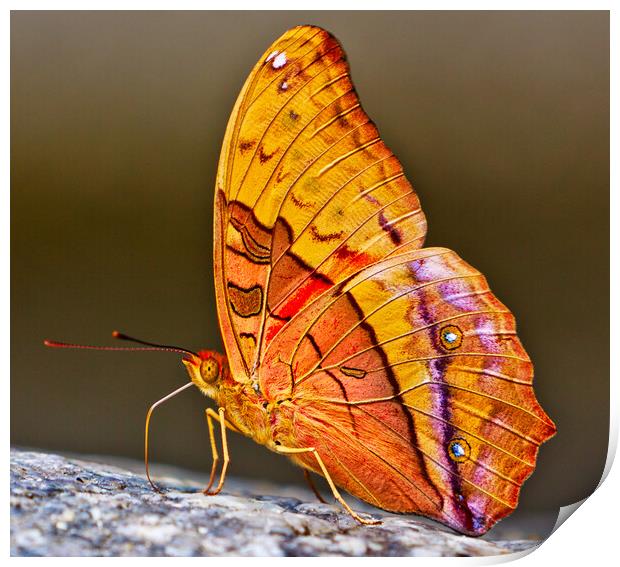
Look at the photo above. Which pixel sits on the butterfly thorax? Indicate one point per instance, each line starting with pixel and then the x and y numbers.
pixel 248 409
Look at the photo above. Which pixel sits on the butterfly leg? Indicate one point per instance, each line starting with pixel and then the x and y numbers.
pixel 328 478
pixel 210 414
pixel 216 415
pixel 313 486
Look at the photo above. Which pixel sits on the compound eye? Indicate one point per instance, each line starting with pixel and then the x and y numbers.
pixel 209 369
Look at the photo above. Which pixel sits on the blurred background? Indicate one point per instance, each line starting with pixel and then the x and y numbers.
pixel 501 120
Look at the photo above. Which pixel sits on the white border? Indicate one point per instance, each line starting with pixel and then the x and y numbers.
pixel 588 535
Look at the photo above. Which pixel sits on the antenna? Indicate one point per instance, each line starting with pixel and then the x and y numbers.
pixel 123 337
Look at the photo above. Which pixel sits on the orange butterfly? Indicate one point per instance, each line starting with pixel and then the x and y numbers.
pixel 388 368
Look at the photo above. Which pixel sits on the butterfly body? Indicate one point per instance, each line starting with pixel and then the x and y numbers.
pixel 266 421
pixel 389 368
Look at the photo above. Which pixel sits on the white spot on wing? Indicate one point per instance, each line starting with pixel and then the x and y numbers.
pixel 450 337
pixel 271 56
pixel 284 85
pixel 457 450
pixel 279 60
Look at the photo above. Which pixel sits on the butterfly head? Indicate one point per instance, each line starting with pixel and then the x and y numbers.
pixel 205 369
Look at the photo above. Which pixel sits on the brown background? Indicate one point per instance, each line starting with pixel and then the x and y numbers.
pixel 500 119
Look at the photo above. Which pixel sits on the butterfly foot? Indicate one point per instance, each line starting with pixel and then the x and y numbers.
pixel 366 521
pixel 208 492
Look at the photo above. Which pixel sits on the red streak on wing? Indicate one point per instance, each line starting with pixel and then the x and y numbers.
pixel 311 288
pixel 360 259
pixel 273 327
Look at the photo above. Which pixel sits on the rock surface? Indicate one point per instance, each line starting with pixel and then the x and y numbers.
pixel 68 507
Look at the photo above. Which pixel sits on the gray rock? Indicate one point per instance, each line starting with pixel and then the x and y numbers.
pixel 68 507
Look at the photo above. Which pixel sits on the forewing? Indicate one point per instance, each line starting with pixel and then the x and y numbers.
pixel 412 384
pixel 307 192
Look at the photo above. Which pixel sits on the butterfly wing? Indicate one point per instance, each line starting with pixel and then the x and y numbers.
pixel 410 381
pixel 307 192
pixel 325 295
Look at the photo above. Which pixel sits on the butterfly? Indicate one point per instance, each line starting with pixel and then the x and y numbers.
pixel 388 368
